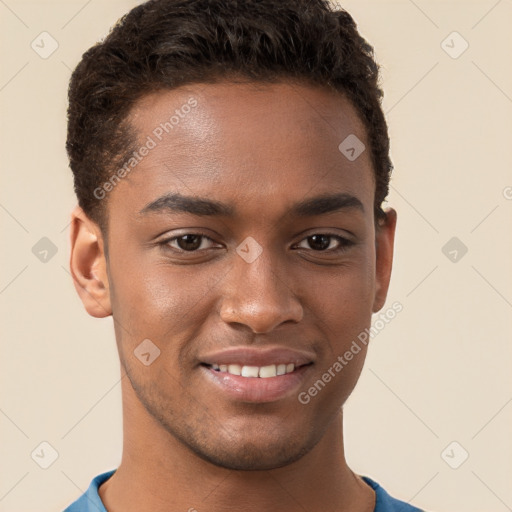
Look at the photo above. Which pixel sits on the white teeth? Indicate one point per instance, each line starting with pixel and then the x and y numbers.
pixel 281 369
pixel 268 371
pixel 263 372
pixel 235 369
pixel 250 371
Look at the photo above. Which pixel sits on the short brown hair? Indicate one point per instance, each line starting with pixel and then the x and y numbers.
pixel 163 44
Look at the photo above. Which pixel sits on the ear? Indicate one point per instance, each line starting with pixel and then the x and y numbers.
pixel 384 240
pixel 88 264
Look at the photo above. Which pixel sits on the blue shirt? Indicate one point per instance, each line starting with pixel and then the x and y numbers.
pixel 90 501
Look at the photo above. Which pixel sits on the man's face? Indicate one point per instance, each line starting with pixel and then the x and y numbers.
pixel 260 276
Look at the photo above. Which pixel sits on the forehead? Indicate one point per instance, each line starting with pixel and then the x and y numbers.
pixel 245 143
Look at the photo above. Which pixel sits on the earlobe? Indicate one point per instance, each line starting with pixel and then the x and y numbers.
pixel 88 265
pixel 384 242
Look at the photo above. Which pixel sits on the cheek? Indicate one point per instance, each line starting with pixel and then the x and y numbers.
pixel 152 296
pixel 344 319
pixel 342 377
pixel 138 283
pixel 346 297
pixel 161 304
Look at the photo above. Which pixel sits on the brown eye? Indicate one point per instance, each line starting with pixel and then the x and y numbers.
pixel 189 242
pixel 321 242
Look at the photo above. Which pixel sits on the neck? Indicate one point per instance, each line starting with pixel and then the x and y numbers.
pixel 158 473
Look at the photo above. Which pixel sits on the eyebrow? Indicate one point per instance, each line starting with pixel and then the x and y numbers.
pixel 318 205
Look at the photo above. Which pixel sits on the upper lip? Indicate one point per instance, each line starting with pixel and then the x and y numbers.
pixel 248 356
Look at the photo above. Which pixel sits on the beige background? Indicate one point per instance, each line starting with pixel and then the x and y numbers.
pixel 439 372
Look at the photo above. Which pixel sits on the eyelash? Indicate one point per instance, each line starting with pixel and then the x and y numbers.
pixel 344 243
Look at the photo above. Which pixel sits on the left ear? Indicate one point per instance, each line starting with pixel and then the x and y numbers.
pixel 384 241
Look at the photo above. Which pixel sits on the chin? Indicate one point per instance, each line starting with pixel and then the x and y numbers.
pixel 244 455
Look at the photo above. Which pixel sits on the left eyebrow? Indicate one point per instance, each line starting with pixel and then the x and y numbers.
pixel 326 203
pixel 318 205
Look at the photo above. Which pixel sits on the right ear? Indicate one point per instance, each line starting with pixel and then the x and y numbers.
pixel 88 265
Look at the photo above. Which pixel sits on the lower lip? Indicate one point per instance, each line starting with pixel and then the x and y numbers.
pixel 257 389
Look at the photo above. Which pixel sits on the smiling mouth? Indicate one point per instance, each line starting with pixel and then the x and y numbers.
pixel 262 372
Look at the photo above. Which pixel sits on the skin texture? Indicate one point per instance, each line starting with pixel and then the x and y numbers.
pixel 260 148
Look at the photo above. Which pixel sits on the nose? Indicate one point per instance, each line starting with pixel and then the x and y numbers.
pixel 258 295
